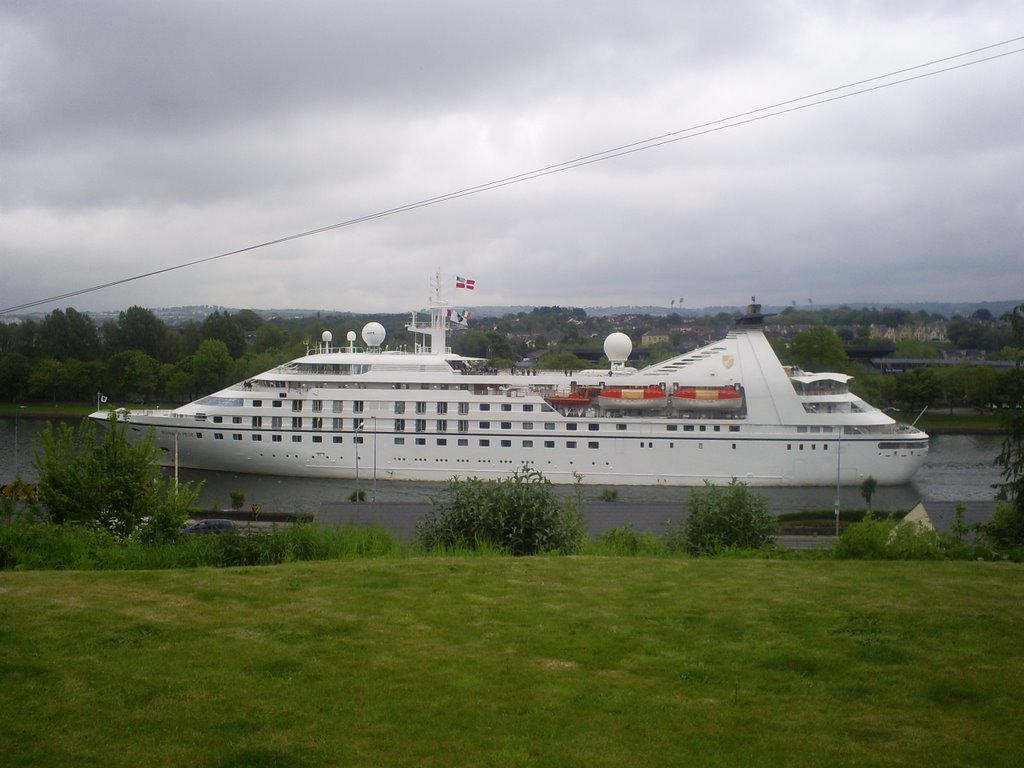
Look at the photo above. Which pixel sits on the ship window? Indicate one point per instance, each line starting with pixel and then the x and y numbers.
pixel 506 443
pixel 200 417
pixel 357 406
pixel 400 425
pixel 528 408
pixel 296 422
pixel 463 409
pixel 421 407
pixel 318 406
pixel 442 408
pixel 236 436
pixel 687 427
pixel 257 438
pixel 339 406
pixel 734 446
pixel 593 427
pixel 338 439
pixel 801 446
pixel 199 435
pixel 463 442
pixel 421 441
pixel 296 405
pixel 672 427
pixel 421 425
pixel 442 425
pixel 484 443
pixel 257 421
pixel 549 443
pixel 527 425
pixel 337 424
pixel 218 419
pixel 485 406
pixel 549 425
pixel 399 406
pixel 734 428
pixel 506 406
pixel 703 428
pixel 399 441
pixel 257 403
pixel 275 438
pixel 275 422
pixel 527 443
pixel 506 425
pixel 277 403
pixel 317 439
pixel 620 427
pixel 485 425
pixel 463 425
pixel 318 423
pixel 442 441
pixel 572 427
pixel 358 439
pixel 218 435
pixel 593 444
pixel 357 424
pixel 718 428
pixel 296 438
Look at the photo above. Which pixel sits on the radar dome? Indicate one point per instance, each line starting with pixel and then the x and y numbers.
pixel 326 337
pixel 617 347
pixel 373 334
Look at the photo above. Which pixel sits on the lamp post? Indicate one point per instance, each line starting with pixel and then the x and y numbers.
pixel 839 454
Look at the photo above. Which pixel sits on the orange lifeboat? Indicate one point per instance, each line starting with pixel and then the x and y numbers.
pixel 619 398
pixel 707 399
pixel 571 400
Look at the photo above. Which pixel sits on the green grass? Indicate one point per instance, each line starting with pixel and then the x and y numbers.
pixel 515 661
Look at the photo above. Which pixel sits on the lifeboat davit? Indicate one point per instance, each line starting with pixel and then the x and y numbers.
pixel 618 398
pixel 572 400
pixel 707 399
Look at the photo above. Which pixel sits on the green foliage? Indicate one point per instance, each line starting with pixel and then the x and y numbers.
pixel 1005 531
pixel 112 484
pixel 888 539
pixel 609 495
pixel 868 487
pixel 918 387
pixel 817 349
pixel 237 499
pixel 520 515
pixel 722 518
pixel 560 361
pixel 627 541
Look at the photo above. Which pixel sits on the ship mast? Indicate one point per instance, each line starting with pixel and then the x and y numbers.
pixel 431 336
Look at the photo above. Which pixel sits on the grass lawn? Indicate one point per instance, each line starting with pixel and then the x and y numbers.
pixel 505 662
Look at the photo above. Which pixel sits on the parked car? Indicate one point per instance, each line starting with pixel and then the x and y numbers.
pixel 212 525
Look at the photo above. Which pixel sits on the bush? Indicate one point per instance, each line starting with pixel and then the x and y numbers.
pixel 518 515
pixel 889 539
pixel 723 518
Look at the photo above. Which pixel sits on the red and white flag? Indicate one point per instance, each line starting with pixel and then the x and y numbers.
pixel 462 282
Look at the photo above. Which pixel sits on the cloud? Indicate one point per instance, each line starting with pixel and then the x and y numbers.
pixel 136 137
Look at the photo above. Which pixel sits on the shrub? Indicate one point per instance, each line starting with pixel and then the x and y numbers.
pixel 889 539
pixel 519 515
pixel 723 518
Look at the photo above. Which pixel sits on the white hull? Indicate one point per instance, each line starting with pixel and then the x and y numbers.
pixel 430 416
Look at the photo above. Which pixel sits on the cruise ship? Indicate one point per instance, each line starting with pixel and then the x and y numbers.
pixel 729 410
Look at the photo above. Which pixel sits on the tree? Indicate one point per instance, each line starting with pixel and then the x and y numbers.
pixel 817 349
pixel 560 361
pixel 138 328
pixel 132 374
pixel 49 379
pixel 112 484
pixel 64 335
pixel 15 372
pixel 918 387
pixel 1007 527
pixel 225 328
pixel 867 490
pixel 212 366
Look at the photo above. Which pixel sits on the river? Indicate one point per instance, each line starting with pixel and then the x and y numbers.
pixel 959 468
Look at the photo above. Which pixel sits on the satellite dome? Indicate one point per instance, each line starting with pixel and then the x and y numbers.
pixel 326 337
pixel 617 347
pixel 373 334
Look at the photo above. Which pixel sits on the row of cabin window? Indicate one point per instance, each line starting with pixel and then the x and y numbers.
pixel 358 406
pixel 441 425
pixel 359 439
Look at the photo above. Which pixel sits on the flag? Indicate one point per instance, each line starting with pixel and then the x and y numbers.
pixel 102 397
pixel 459 318
pixel 462 282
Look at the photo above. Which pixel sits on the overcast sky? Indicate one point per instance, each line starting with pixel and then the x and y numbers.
pixel 136 136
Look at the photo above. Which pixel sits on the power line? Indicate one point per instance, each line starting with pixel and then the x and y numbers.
pixel 743 118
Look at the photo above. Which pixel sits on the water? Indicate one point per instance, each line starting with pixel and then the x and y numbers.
pixel 959 468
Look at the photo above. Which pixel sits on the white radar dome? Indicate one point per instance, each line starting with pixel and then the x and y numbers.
pixel 373 334
pixel 326 337
pixel 350 336
pixel 617 347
